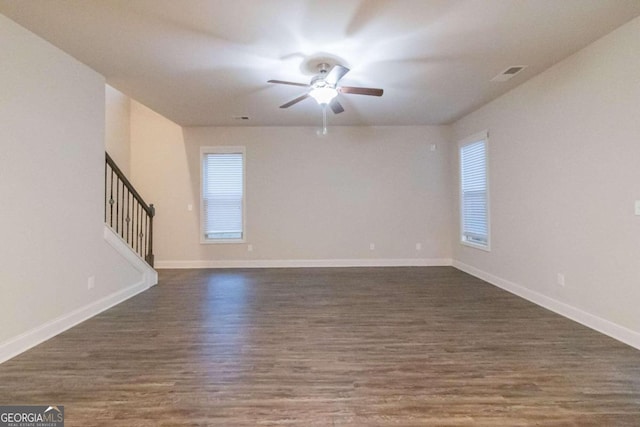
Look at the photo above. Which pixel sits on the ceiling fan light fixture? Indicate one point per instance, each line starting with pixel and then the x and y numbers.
pixel 323 95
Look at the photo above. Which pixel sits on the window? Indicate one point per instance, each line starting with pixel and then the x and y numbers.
pixel 222 204
pixel 474 191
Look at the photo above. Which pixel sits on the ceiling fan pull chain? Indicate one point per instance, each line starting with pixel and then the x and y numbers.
pixel 324 119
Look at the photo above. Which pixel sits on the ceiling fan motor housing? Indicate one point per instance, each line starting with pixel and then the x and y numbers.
pixel 319 81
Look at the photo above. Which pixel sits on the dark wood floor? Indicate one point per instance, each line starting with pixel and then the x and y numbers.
pixel 329 347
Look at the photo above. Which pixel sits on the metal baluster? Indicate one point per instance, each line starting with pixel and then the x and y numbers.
pixel 140 232
pixel 137 224
pixel 125 200
pixel 121 202
pixel 111 200
pixel 146 234
pixel 133 222
pixel 105 190
pixel 117 202
pixel 143 237
pixel 128 215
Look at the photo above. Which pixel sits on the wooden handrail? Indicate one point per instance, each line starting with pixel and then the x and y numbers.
pixel 148 208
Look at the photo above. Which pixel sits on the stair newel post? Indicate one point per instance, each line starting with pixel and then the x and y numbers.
pixel 152 213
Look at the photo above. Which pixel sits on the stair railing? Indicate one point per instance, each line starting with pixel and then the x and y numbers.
pixel 126 212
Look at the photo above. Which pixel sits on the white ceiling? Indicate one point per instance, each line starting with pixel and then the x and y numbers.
pixel 200 62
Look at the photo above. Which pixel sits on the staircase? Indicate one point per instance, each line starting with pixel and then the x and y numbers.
pixel 126 212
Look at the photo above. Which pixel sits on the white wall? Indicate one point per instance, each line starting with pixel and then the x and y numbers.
pixel 564 174
pixel 308 197
pixel 118 128
pixel 52 112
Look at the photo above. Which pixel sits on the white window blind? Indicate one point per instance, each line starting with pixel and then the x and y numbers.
pixel 222 194
pixel 473 180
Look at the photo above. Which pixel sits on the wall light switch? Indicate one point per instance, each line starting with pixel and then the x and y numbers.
pixel 189 207
pixel 249 248
pixel 637 207
pixel 418 246
pixel 433 147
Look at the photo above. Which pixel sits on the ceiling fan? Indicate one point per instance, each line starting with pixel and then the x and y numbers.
pixel 324 88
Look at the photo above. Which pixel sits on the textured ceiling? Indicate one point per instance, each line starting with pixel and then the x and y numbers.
pixel 201 62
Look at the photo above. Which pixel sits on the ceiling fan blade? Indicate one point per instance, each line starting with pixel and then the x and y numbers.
pixel 336 106
pixel 282 82
pixel 295 101
pixel 336 73
pixel 361 90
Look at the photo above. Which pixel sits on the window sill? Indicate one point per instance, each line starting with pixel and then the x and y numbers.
pixel 486 248
pixel 221 241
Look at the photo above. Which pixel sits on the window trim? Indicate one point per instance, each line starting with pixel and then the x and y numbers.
pixel 479 136
pixel 223 149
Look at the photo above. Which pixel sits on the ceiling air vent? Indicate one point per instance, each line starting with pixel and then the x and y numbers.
pixel 508 73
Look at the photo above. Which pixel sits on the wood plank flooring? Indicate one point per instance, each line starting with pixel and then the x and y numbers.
pixel 329 347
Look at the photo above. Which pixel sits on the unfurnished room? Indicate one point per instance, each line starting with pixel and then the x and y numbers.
pixel 320 213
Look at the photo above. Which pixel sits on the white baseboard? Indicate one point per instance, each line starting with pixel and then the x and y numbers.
pixel 589 320
pixel 40 334
pixel 150 276
pixel 299 263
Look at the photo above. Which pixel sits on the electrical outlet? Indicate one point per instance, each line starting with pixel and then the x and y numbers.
pixel 637 207
pixel 433 147
pixel 91 283
pixel 372 246
pixel 418 246
pixel 560 279
pixel 189 207
pixel 249 248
